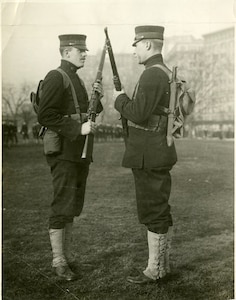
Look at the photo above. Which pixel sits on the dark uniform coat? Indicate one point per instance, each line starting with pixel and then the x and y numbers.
pixel 145 148
pixel 146 151
pixel 57 104
pixel 69 171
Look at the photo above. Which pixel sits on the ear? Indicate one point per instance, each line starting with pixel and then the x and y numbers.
pixel 148 45
pixel 67 53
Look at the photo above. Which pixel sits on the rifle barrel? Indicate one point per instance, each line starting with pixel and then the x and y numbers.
pixel 112 60
pixel 92 109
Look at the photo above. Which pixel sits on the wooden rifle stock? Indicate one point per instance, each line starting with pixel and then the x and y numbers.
pixel 92 109
pixel 116 78
pixel 171 114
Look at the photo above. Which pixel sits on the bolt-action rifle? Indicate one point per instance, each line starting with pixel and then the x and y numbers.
pixel 172 106
pixel 116 79
pixel 92 109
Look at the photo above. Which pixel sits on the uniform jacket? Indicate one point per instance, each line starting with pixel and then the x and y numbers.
pixel 57 103
pixel 144 148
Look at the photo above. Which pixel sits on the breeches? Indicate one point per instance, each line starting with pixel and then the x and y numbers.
pixel 69 183
pixel 152 188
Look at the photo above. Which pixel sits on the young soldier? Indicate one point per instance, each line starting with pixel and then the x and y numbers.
pixel 147 153
pixel 68 169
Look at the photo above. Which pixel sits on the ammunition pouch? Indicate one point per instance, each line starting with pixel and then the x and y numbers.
pixel 51 142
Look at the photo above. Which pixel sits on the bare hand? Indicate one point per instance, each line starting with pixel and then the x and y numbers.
pixel 117 93
pixel 98 88
pixel 88 127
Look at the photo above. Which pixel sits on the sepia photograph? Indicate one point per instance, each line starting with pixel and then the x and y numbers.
pixel 118 149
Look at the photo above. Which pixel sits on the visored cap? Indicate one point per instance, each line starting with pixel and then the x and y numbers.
pixel 74 40
pixel 148 32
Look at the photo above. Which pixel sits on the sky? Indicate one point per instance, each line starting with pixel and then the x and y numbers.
pixel 30 29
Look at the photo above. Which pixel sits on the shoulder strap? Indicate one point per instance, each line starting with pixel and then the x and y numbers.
pixel 168 73
pixel 67 78
pixel 164 68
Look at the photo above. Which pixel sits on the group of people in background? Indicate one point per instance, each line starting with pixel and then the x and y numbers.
pixel 11 134
pixel 105 132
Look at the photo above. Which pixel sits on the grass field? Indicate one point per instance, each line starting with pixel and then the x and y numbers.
pixel 108 234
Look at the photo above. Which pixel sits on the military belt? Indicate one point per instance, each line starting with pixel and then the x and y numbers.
pixel 81 118
pixel 155 123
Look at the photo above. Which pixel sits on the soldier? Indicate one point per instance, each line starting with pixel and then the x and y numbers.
pixel 11 130
pixel 14 135
pixel 24 132
pixel 6 133
pixel 68 169
pixel 147 153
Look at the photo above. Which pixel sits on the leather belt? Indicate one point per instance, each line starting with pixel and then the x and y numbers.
pixel 155 123
pixel 78 117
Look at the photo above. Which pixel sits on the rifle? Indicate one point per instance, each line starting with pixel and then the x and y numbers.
pixel 92 109
pixel 171 114
pixel 116 79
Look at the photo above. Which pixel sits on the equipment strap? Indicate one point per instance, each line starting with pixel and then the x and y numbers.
pixel 76 103
pixel 179 119
pixel 168 73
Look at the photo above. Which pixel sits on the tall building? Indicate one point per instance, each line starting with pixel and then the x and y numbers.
pixel 218 76
pixel 182 51
pixel 208 65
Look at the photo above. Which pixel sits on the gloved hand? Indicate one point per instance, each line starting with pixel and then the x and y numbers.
pixel 88 127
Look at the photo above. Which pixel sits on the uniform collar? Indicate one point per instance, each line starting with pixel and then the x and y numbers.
pixel 155 59
pixel 68 66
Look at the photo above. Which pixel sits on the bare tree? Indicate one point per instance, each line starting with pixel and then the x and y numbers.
pixel 16 102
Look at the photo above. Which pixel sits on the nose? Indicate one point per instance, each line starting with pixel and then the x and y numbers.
pixel 84 53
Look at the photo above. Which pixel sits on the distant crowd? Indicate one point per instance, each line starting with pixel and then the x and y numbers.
pixel 104 133
pixel 11 135
pixel 211 131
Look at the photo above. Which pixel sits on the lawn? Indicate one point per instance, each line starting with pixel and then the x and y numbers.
pixel 108 235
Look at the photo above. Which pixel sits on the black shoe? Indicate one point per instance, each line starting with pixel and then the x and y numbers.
pixel 140 279
pixel 78 267
pixel 74 266
pixel 65 273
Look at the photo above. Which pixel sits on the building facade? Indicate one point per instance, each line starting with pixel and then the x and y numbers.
pixel 208 65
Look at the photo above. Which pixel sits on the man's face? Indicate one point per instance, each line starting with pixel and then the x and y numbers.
pixel 77 57
pixel 140 51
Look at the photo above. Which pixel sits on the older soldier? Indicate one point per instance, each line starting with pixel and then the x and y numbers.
pixel 68 169
pixel 147 153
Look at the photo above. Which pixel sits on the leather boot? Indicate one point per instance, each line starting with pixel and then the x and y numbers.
pixel 65 273
pixel 140 278
pixel 59 263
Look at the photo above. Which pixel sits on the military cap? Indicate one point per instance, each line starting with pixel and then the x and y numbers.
pixel 148 32
pixel 73 40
